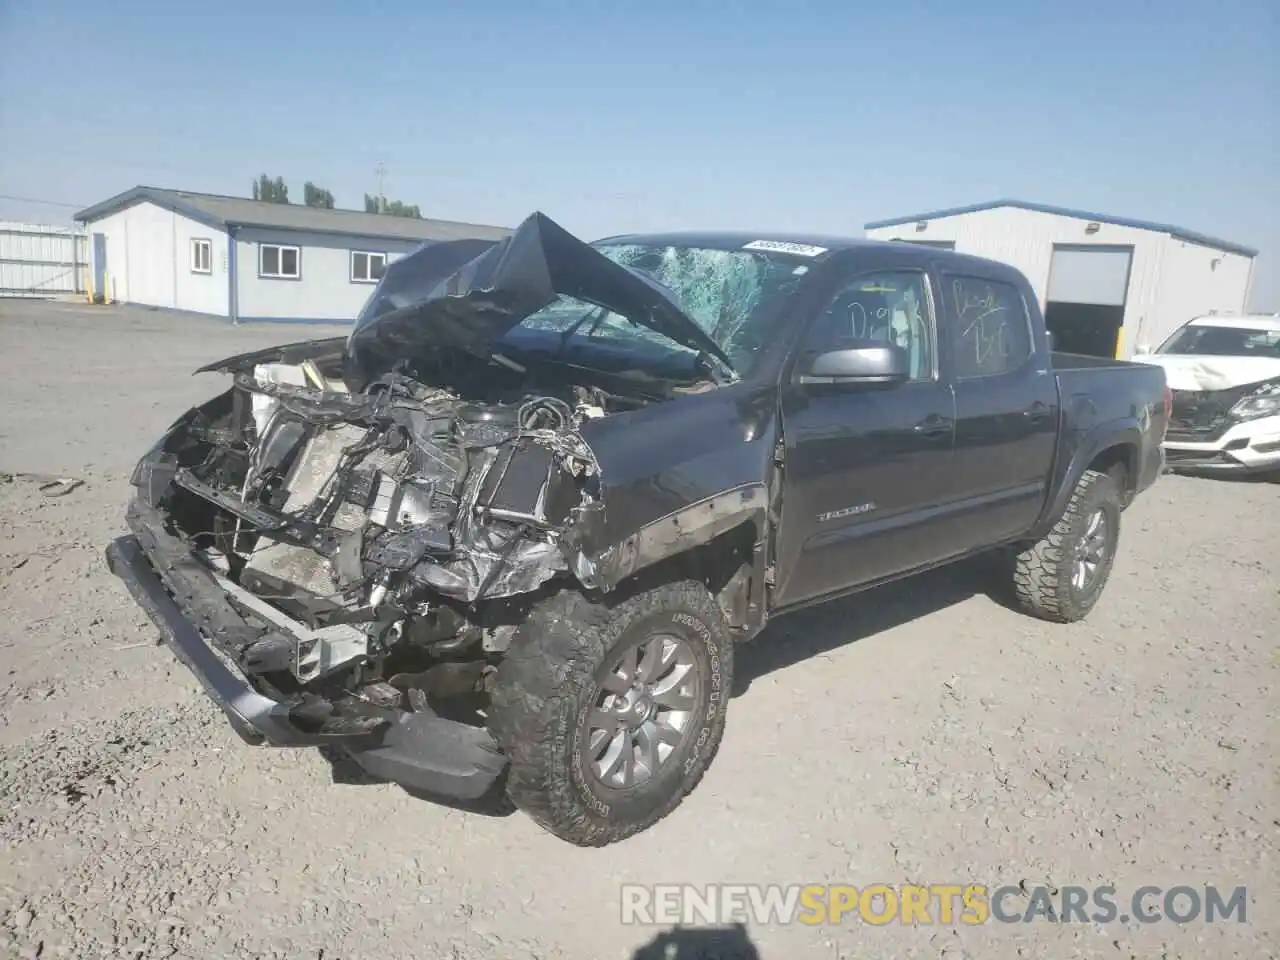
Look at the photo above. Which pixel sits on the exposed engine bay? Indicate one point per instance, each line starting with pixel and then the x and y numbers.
pixel 396 524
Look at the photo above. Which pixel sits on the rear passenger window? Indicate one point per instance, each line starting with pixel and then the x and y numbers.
pixel 990 326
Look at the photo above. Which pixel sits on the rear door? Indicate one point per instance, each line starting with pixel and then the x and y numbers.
pixel 864 467
pixel 1006 408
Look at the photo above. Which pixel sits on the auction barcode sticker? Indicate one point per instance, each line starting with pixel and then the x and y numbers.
pixel 785 246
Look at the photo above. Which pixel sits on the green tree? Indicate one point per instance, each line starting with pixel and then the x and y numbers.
pixel 272 191
pixel 314 196
pixel 394 208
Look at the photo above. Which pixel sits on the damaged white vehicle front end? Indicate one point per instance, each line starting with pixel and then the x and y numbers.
pixel 1224 374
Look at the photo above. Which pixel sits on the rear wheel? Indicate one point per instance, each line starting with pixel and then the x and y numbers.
pixel 611 713
pixel 1061 577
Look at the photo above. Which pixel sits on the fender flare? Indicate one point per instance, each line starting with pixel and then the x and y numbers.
pixel 1122 432
pixel 680 531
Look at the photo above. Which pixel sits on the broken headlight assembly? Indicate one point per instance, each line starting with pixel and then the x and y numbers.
pixel 1263 402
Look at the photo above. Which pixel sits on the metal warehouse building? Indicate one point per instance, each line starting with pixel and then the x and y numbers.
pixel 1106 284
pixel 249 260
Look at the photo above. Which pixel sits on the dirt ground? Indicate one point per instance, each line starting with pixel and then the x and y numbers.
pixel 919 734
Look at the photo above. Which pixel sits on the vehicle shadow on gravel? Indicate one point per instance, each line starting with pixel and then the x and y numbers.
pixel 346 772
pixel 680 943
pixel 796 637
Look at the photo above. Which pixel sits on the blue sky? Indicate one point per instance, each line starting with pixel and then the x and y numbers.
pixel 611 117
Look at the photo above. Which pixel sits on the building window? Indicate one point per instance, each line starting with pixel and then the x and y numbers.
pixel 283 263
pixel 201 256
pixel 367 267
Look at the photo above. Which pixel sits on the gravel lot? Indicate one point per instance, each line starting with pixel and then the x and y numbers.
pixel 954 741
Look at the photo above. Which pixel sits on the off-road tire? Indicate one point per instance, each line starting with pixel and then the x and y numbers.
pixel 544 688
pixel 1042 572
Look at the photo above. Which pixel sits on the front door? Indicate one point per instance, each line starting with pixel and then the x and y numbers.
pixel 865 468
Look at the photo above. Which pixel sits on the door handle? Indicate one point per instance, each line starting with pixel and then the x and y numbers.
pixel 1036 412
pixel 934 426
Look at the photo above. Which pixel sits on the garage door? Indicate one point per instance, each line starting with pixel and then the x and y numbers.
pixel 1095 275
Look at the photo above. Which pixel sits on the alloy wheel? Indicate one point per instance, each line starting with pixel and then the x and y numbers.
pixel 642 711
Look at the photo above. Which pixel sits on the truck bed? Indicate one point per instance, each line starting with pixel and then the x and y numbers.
pixel 1097 392
pixel 1078 361
pixel 1094 389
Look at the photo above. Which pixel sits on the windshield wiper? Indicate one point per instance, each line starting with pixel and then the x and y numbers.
pixel 720 371
pixel 597 314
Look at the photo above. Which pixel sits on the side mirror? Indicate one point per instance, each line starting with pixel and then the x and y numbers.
pixel 1142 349
pixel 870 362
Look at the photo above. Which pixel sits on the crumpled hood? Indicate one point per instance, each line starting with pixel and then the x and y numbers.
pixel 470 293
pixel 297 352
pixel 1191 372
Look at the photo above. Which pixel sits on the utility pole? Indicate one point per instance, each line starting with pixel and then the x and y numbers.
pixel 381 171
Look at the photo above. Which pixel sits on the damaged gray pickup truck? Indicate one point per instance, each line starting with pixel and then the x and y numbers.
pixel 504 537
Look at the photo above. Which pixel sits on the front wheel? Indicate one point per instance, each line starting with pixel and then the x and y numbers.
pixel 1061 577
pixel 611 713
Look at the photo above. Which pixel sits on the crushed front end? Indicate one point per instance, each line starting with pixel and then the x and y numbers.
pixel 342 544
pixel 1234 430
pixel 333 565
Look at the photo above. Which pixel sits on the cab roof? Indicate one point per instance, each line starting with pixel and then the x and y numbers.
pixel 740 239
pixel 804 246
pixel 1250 321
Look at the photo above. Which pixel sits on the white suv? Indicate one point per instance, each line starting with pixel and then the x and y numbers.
pixel 1225 376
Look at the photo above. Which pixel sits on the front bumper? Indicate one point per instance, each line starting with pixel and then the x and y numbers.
pixel 1251 447
pixel 427 753
pixel 1219 465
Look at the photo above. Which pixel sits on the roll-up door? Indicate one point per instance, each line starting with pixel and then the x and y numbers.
pixel 1085 306
pixel 1097 276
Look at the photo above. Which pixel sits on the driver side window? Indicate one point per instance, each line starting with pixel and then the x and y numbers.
pixel 891 307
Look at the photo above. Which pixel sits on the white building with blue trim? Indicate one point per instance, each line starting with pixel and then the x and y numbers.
pixel 249 260
pixel 1106 284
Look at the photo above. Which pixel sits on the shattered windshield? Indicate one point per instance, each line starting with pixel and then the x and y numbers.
pixel 1214 341
pixel 729 294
